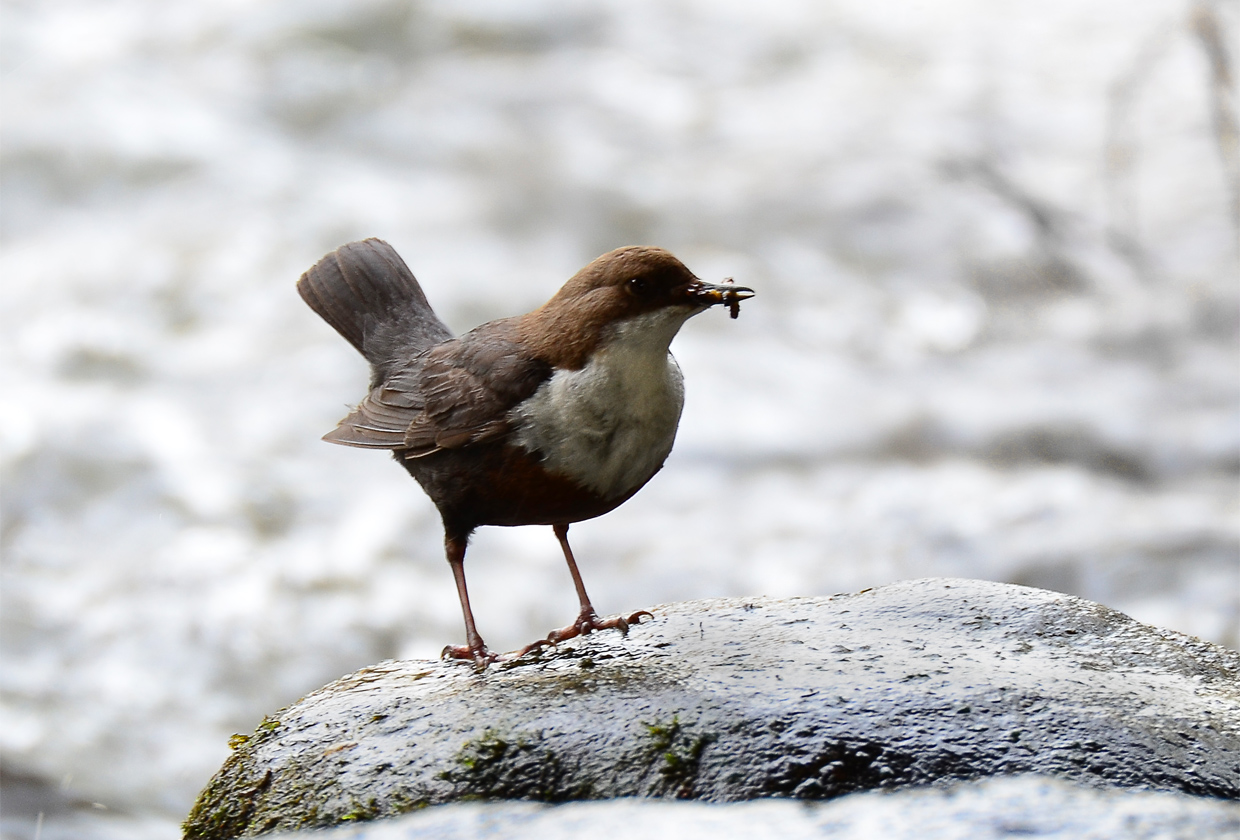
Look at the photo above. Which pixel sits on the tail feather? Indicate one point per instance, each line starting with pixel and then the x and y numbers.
pixel 369 296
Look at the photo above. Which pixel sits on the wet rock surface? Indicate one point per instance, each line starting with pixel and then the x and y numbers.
pixel 744 698
pixel 993 809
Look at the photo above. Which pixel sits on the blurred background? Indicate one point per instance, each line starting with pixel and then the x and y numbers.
pixel 995 336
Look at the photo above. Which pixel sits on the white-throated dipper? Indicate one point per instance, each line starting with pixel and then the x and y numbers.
pixel 548 418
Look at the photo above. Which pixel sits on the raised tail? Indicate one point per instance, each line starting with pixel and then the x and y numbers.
pixel 368 294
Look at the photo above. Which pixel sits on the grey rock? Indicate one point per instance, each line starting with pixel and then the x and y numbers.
pixel 745 698
pixel 994 809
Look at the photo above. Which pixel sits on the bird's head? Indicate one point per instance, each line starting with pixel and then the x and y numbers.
pixel 638 288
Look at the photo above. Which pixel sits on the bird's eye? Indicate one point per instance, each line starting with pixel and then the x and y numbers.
pixel 639 286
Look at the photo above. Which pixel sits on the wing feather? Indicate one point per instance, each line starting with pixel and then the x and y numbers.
pixel 456 394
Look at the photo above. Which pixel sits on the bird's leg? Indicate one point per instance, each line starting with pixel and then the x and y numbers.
pixel 474 648
pixel 587 620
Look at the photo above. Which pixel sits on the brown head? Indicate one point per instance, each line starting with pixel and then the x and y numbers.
pixel 620 286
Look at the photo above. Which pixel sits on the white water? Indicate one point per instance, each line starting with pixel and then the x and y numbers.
pixel 928 382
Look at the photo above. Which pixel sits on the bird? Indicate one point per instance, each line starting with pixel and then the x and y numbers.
pixel 548 418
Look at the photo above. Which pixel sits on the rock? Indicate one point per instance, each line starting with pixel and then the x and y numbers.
pixel 744 698
pixel 994 809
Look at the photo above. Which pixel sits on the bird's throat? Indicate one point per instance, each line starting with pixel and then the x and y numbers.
pixel 610 424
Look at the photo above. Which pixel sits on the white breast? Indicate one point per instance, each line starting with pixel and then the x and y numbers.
pixel 610 425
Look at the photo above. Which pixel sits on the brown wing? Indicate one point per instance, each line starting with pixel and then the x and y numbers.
pixel 456 394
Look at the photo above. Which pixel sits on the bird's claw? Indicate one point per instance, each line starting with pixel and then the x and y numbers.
pixel 587 622
pixel 530 648
pixel 480 656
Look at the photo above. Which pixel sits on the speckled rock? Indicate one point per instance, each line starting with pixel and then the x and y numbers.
pixel 742 698
pixel 993 809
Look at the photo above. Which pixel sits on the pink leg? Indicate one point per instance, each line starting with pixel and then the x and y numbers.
pixel 474 648
pixel 587 619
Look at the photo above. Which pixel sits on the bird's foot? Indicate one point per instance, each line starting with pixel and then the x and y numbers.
pixel 530 648
pixel 587 622
pixel 479 655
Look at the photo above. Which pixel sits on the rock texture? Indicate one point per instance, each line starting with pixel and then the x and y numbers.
pixel 737 699
pixel 993 809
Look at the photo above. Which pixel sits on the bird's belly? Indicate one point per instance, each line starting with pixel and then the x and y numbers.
pixel 500 484
pixel 608 426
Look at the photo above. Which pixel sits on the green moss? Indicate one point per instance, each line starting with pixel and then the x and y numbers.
pixel 663 735
pixel 362 812
pixel 400 803
pixel 482 752
pixel 680 767
pixel 226 807
pixel 499 766
pixel 678 755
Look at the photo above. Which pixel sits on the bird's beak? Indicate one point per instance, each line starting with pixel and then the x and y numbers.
pixel 709 294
